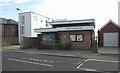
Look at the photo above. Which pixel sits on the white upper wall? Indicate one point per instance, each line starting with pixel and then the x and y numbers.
pixel 25 21
pixel 32 21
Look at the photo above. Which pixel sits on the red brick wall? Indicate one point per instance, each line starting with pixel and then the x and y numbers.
pixel 9 30
pixel 108 28
pixel 65 36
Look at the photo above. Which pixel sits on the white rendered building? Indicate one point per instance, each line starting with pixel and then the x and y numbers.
pixel 28 21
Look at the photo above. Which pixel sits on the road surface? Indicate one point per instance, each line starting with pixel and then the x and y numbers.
pixel 17 61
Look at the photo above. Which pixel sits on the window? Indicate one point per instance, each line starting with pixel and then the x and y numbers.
pixel 22 29
pixel 49 37
pixel 46 23
pixel 35 18
pixel 80 38
pixel 76 38
pixel 13 29
pixel 41 20
pixel 22 19
pixel 72 38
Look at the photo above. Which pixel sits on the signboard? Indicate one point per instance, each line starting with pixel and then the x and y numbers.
pixel 75 28
pixel 65 29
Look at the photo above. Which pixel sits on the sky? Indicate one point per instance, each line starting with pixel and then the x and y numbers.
pixel 100 10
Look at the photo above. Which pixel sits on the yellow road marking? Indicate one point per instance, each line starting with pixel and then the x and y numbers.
pixel 88 69
pixel 102 60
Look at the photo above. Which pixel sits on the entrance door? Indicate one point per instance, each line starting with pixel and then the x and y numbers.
pixel 110 39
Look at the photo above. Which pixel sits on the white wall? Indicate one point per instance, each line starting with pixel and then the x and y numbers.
pixel 28 25
pixel 32 21
pixel 119 13
pixel 38 21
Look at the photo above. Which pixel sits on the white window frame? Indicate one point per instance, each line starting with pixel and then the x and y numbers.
pixel 22 29
pixel 35 18
pixel 76 37
pixel 79 38
pixel 73 38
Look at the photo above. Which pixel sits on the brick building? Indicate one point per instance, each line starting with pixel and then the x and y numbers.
pixel 109 35
pixel 80 33
pixel 9 30
pixel 9 27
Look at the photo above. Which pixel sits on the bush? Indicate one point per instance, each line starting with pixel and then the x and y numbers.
pixel 48 46
pixel 64 46
pixel 60 46
pixel 67 46
pixel 41 46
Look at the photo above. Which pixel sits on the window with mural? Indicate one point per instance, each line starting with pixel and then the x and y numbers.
pixel 49 37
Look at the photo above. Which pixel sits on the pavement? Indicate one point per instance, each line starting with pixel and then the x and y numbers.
pixel 106 50
pixel 67 53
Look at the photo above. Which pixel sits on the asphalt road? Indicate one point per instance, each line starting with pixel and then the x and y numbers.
pixel 14 61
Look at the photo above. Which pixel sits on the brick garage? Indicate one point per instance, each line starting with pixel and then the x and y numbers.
pixel 109 35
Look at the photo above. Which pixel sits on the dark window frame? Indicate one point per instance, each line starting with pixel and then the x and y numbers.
pixel 76 37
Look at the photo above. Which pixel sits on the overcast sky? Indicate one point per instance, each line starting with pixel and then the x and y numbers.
pixel 100 10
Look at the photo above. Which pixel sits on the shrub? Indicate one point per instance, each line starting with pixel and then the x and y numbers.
pixel 60 46
pixel 67 46
pixel 64 46
pixel 41 46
